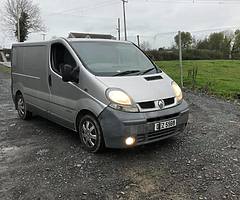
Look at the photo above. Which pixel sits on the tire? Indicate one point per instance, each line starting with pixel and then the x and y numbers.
pixel 23 113
pixel 90 134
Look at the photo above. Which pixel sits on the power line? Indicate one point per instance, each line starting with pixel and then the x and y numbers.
pixel 90 16
pixel 194 2
pixel 193 31
pixel 72 10
pixel 215 29
pixel 111 2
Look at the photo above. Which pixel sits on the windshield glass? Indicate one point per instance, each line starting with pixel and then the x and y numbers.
pixel 113 59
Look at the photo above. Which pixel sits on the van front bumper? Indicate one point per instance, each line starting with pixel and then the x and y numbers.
pixel 117 125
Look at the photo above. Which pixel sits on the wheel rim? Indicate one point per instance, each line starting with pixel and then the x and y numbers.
pixel 21 107
pixel 89 133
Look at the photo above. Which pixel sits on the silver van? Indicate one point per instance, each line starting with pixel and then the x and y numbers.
pixel 108 91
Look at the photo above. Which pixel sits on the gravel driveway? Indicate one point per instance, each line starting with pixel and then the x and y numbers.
pixel 41 160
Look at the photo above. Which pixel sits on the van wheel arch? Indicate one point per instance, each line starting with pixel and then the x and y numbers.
pixel 16 96
pixel 81 114
pixel 21 107
pixel 100 146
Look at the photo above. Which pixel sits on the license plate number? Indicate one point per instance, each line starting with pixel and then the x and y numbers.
pixel 164 125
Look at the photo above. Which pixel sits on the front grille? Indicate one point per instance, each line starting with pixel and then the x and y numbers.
pixel 147 105
pixel 162 117
pixel 169 101
pixel 153 105
pixel 148 137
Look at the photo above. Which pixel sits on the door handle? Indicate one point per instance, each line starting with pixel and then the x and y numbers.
pixel 49 80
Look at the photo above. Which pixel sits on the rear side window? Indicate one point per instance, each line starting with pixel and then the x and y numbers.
pixel 61 56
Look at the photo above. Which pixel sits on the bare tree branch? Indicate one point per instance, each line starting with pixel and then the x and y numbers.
pixel 11 10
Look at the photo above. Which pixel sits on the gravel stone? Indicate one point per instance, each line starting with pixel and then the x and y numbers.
pixel 42 160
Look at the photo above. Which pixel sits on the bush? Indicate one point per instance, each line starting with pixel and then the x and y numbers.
pixel 188 54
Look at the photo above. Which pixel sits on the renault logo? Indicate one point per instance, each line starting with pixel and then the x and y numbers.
pixel 161 104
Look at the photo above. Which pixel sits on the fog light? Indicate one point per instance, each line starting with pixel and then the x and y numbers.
pixel 130 141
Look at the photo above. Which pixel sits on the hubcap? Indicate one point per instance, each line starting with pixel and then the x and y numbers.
pixel 89 134
pixel 21 107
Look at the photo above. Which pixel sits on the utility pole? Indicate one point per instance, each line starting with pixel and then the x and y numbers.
pixel 180 58
pixel 124 17
pixel 18 23
pixel 44 36
pixel 138 40
pixel 119 29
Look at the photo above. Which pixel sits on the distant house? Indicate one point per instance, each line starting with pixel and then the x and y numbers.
pixel 90 35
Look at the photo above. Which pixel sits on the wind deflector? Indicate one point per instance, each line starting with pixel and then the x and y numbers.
pixel 152 78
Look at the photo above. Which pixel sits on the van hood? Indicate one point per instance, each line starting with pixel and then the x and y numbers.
pixel 142 88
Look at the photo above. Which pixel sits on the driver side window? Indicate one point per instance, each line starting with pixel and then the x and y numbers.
pixel 60 56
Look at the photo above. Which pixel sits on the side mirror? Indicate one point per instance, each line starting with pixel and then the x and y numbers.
pixel 69 73
pixel 66 73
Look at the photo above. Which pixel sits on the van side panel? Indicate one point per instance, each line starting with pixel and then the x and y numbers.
pixel 30 75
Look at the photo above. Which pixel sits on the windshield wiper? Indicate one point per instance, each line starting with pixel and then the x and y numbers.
pixel 148 70
pixel 126 72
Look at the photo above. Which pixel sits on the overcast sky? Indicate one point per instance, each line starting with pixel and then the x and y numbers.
pixel 156 21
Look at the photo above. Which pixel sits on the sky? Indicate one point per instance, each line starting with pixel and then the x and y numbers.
pixel 156 21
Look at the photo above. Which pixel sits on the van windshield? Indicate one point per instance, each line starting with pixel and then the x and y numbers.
pixel 113 59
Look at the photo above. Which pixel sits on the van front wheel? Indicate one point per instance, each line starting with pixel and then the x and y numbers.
pixel 90 134
pixel 22 109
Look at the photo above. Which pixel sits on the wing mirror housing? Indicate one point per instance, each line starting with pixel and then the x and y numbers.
pixel 70 74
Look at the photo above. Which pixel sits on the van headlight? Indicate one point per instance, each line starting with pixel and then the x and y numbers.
pixel 119 100
pixel 177 91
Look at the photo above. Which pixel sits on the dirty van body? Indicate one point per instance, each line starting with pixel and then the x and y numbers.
pixel 108 91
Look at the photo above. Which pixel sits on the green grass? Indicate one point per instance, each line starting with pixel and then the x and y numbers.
pixel 5 69
pixel 216 77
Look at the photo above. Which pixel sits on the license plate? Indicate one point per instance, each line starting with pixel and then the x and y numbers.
pixel 164 125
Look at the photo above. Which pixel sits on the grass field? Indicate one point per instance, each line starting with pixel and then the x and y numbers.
pixel 217 77
pixel 4 69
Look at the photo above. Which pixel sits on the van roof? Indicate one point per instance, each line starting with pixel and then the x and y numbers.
pixel 67 39
pixel 95 40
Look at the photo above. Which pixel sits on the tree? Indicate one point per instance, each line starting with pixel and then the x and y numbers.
pixel 227 43
pixel 236 45
pixel 28 14
pixel 221 42
pixel 203 44
pixel 23 27
pixel 187 39
pixel 216 41
pixel 194 42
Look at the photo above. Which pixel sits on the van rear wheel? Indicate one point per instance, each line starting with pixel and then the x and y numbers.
pixel 90 134
pixel 22 108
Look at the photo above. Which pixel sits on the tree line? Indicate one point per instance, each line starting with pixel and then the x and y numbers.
pixel 217 45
